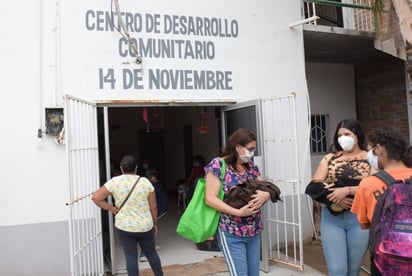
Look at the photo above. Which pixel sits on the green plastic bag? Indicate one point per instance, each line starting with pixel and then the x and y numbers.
pixel 199 221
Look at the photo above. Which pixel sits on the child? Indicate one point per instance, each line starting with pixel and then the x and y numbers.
pixel 151 174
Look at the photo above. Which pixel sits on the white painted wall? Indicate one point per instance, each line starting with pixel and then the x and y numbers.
pixel 332 91
pixel 33 178
pixel 47 51
pixel 59 55
pixel 262 59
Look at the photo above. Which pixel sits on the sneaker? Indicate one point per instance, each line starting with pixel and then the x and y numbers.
pixel 143 259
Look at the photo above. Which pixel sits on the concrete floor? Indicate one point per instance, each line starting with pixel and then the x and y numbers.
pixel 178 254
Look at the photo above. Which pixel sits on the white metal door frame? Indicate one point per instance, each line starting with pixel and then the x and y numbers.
pixel 114 267
pixel 283 237
pixel 276 131
pixel 86 252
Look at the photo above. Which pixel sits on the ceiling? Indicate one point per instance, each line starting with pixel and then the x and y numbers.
pixel 338 45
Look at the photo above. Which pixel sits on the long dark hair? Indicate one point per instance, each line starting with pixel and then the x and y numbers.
pixel 241 136
pixel 395 145
pixel 354 126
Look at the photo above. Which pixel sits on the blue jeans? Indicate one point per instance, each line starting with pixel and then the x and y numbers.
pixel 242 254
pixel 344 242
pixel 147 243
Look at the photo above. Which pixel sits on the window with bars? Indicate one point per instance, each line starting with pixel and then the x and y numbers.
pixel 319 133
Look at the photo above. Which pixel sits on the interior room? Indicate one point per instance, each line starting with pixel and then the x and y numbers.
pixel 167 139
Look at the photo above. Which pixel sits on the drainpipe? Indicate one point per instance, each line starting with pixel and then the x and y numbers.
pixel 58 59
pixel 41 113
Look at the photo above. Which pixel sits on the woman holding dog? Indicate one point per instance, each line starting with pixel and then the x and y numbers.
pixel 239 230
pixel 334 184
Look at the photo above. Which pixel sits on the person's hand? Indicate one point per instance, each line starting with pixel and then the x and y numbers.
pixel 246 211
pixel 337 194
pixel 259 198
pixel 155 229
pixel 114 210
pixel 345 203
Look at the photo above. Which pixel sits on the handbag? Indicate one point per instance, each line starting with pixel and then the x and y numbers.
pixel 128 195
pixel 199 221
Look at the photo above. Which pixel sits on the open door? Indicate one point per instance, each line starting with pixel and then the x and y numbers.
pixel 248 115
pixel 86 253
pixel 275 124
pixel 243 115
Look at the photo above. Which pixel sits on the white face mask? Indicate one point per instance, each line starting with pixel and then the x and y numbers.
pixel 346 142
pixel 373 160
pixel 247 156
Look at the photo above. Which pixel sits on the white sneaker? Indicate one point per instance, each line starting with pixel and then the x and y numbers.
pixel 143 259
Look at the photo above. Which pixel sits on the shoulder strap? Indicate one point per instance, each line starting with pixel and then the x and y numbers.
pixel 222 174
pixel 128 195
pixel 223 169
pixel 385 177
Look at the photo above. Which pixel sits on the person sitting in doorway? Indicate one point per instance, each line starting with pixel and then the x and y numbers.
pixel 197 172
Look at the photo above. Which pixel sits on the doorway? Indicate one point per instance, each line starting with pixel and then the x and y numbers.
pixel 120 128
pixel 166 138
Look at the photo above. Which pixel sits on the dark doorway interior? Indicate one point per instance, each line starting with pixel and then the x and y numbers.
pixel 167 137
pixel 188 148
pixel 153 150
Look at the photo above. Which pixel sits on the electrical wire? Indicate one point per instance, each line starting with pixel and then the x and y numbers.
pixel 125 33
pixel 112 21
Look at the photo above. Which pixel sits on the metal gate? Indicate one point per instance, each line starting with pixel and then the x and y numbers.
pixel 83 160
pixel 282 238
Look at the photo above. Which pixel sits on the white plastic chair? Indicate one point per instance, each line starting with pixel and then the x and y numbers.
pixel 181 195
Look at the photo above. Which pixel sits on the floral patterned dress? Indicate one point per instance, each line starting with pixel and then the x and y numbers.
pixel 239 226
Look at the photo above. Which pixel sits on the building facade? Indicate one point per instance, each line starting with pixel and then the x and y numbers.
pixel 164 81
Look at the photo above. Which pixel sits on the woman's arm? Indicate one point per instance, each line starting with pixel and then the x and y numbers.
pixel 260 197
pixel 340 195
pixel 321 172
pixel 211 197
pixel 99 198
